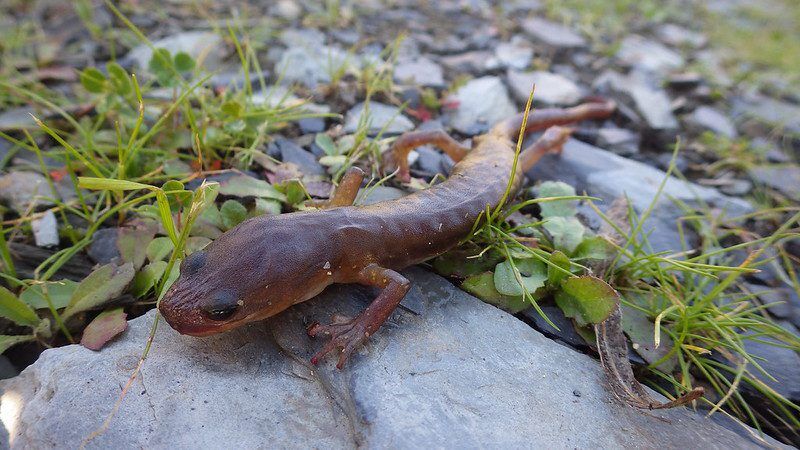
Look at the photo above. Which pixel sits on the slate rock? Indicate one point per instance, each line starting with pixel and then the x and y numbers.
pixel 782 115
pixel 553 34
pixel 551 88
pixel 516 54
pixel 420 71
pixel 475 62
pixel 20 189
pixel 429 160
pixel 566 333
pixel 481 103
pixel 103 248
pixel 608 176
pixel 783 364
pixel 455 376
pixel 45 230
pixel 311 66
pixel 16 119
pixel 293 153
pixel 377 194
pixel 618 140
pixel 648 55
pixel 381 117
pixel 783 178
pixel 707 118
pixel 679 36
pixel 206 47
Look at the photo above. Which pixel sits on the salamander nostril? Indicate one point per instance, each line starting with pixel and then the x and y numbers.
pixel 222 306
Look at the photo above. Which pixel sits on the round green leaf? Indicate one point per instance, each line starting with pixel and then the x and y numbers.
pixel 183 62
pixel 557 208
pixel 587 299
pixel 159 248
pixel 59 292
pixel 482 286
pixel 532 272
pixel 233 213
pixel 119 79
pixel 554 275
pixel 147 278
pixel 105 283
pixel 594 247
pixel 93 80
pixel 566 232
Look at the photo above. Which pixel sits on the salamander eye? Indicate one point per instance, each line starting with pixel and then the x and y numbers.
pixel 193 262
pixel 222 306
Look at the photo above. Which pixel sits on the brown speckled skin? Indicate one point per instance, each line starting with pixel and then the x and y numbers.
pixel 268 263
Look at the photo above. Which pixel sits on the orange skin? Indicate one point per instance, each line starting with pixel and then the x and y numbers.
pixel 269 263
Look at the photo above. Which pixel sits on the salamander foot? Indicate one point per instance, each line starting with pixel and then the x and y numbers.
pixel 345 335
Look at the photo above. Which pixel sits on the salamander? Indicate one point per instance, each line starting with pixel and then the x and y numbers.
pixel 267 264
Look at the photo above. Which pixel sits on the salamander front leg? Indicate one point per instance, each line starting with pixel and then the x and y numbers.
pixel 346 335
pixel 397 155
pixel 551 141
pixel 346 192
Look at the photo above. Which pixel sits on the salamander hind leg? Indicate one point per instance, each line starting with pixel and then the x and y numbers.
pixel 348 334
pixel 551 141
pixel 397 156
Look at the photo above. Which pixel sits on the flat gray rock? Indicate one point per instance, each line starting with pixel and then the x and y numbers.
pixel 206 47
pixel 551 88
pixel 785 116
pixel 380 117
pixel 608 176
pixel 553 34
pixel 460 374
pixel 708 118
pixel 481 103
pixel 419 71
pixel 649 55
pixel 515 54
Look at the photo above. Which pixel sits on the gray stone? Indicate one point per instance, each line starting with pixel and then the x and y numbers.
pixel 302 37
pixel 16 119
pixel 205 47
pixel 377 194
pixel 552 34
pixel 420 71
pixel 312 65
pixel 457 375
pixel 475 62
pixel 678 36
pixel 287 9
pixel 45 230
pixel 618 140
pixel 608 176
pixel 20 189
pixel 783 178
pixel 551 88
pixel 707 118
pixel 7 370
pixel 293 153
pixel 652 103
pixel 782 115
pixel 381 117
pixel 645 54
pixel 429 160
pixel 781 363
pixel 516 54
pixel 713 62
pixel 481 103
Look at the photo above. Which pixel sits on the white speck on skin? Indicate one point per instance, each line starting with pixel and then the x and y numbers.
pixel 327 266
pixel 240 302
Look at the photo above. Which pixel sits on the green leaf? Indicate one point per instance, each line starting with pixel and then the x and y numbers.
pixel 233 213
pixel 532 272
pixel 7 341
pixel 131 243
pixel 294 190
pixel 183 62
pixel 566 232
pixel 119 79
pixel 147 278
pixel 462 263
pixel 241 185
pixel 59 291
pixel 557 208
pixel 107 282
pixel 555 276
pixel 325 142
pixel 160 63
pixel 266 207
pixel 93 80
pixel 482 286
pixel 232 108
pixel 196 243
pixel 110 184
pixel 639 329
pixel 103 328
pixel 333 160
pixel 594 247
pixel 16 310
pixel 586 299
pixel 173 275
pixel 159 248
pixel 177 196
pixel 165 214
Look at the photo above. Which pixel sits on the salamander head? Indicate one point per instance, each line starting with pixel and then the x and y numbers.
pixel 236 279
